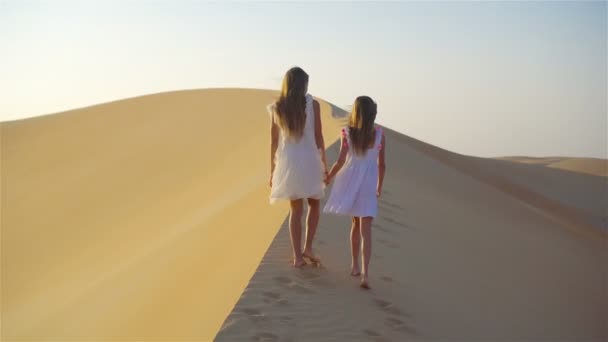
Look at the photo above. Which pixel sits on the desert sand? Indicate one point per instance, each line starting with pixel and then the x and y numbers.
pixel 148 219
pixel 464 249
pixel 141 219
pixel 591 166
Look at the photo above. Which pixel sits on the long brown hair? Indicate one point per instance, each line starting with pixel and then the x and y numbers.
pixel 290 107
pixel 361 124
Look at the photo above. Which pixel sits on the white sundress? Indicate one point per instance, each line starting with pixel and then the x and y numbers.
pixel 298 169
pixel 354 189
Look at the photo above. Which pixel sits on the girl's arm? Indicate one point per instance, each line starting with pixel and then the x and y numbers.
pixel 319 133
pixel 341 159
pixel 274 144
pixel 381 166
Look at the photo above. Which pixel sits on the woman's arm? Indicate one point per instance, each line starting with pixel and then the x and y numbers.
pixel 341 159
pixel 381 166
pixel 274 144
pixel 319 133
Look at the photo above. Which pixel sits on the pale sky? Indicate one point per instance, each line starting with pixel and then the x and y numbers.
pixel 479 78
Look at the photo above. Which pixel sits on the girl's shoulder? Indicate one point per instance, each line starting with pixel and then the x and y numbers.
pixel 271 109
pixel 379 137
pixel 344 131
pixel 310 101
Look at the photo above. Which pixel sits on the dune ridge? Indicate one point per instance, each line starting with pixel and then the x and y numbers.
pixel 114 211
pixel 591 166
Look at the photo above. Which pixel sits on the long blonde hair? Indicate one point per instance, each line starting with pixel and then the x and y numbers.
pixel 361 124
pixel 290 107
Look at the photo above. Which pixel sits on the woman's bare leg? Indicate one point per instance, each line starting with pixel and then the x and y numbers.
pixel 355 246
pixel 295 231
pixel 366 237
pixel 312 221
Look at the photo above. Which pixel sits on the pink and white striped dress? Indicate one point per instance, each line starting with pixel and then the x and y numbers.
pixel 354 189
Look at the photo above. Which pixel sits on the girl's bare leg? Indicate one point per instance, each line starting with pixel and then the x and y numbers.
pixel 312 221
pixel 366 237
pixel 355 246
pixel 295 231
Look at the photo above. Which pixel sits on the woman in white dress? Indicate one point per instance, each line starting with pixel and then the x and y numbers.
pixel 297 159
pixel 359 174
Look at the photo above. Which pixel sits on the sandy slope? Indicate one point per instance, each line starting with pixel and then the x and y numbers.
pixel 140 219
pixel 462 252
pixel 591 166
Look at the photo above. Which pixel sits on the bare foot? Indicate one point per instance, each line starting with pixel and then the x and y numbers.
pixel 364 283
pixel 354 271
pixel 299 263
pixel 308 255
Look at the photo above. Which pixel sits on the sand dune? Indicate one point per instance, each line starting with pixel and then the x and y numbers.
pixel 582 196
pixel 577 201
pixel 140 220
pixel 591 166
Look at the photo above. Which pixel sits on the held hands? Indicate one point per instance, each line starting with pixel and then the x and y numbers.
pixel 326 178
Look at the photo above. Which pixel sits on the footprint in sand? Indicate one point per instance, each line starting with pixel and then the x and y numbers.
pixel 252 312
pixel 395 222
pixel 390 204
pixel 286 320
pixel 308 274
pixel 388 244
pixel 393 245
pixel 382 229
pixel 314 276
pixel 399 325
pixel 272 297
pixel 255 315
pixel 389 210
pixel 389 308
pixel 265 337
pixel 291 284
pixel 283 280
pixel 387 279
pixel 373 335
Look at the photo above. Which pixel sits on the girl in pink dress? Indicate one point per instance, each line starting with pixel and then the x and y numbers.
pixel 359 173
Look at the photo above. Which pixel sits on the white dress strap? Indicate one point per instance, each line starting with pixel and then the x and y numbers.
pixel 379 135
pixel 310 112
pixel 271 109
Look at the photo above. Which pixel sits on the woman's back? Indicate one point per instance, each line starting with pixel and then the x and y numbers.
pixel 368 157
pixel 299 169
pixel 308 135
